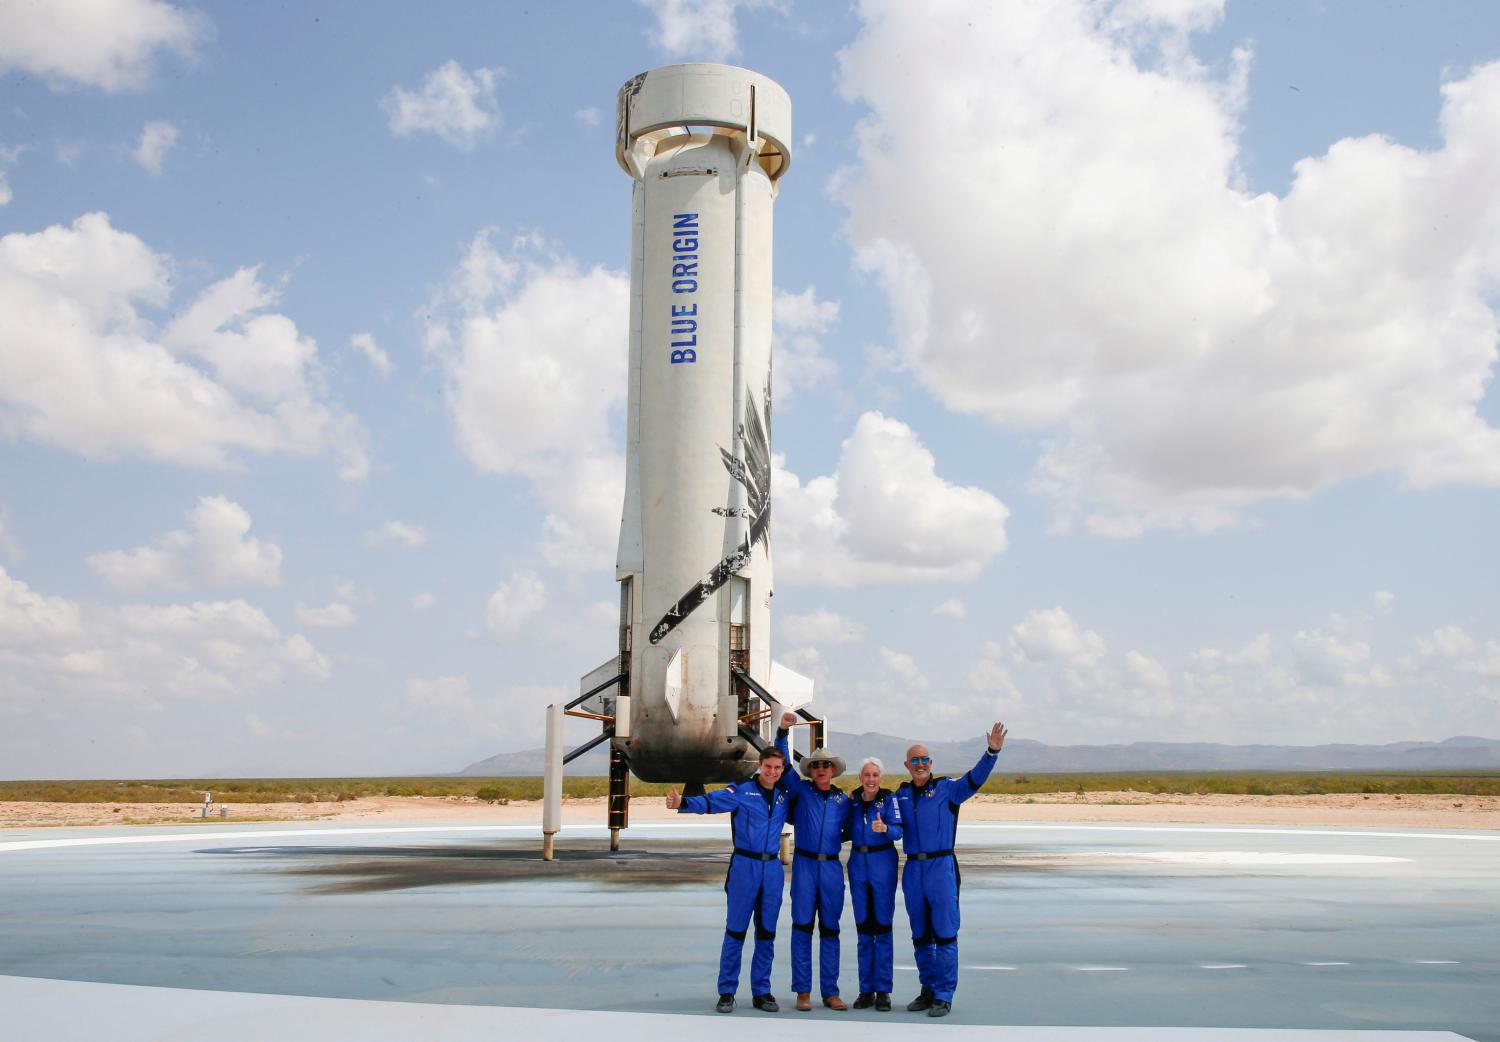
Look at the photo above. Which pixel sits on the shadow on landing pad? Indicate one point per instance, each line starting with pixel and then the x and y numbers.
pixel 369 869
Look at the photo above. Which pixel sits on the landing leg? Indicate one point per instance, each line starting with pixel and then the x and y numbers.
pixel 619 797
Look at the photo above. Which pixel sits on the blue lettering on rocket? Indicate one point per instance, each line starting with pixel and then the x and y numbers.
pixel 684 281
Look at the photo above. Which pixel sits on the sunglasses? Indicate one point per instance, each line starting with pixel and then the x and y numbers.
pixel 921 761
pixel 819 763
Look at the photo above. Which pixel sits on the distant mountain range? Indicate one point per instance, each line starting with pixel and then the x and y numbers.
pixel 1023 756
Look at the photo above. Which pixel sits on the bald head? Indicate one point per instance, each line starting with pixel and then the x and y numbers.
pixel 919 764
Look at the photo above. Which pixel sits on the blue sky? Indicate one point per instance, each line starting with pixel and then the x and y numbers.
pixel 1134 371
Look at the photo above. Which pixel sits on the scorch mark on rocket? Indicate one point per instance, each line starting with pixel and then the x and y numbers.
pixel 754 474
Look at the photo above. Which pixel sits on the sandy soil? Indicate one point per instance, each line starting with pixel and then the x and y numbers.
pixel 1347 810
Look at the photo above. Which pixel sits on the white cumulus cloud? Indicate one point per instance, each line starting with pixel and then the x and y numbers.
pixel 142 656
pixel 1052 634
pixel 1094 269
pixel 514 603
pixel 457 105
pixel 157 139
pixel 820 627
pixel 883 516
pixel 397 533
pixel 799 319
pixel 534 351
pixel 365 344
pixel 700 30
pixel 952 608
pixel 216 549
pixel 904 670
pixel 84 368
pixel 335 615
pixel 82 42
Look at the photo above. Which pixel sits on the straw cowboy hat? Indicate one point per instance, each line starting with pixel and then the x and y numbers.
pixel 822 753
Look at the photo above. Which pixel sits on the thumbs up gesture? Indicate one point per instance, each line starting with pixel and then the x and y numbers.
pixel 878 825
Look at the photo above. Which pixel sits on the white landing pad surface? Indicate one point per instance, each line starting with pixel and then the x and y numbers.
pixel 69 1011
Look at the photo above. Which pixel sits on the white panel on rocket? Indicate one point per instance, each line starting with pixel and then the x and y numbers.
pixel 706 145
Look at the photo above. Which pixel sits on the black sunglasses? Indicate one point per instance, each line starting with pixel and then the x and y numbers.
pixel 814 765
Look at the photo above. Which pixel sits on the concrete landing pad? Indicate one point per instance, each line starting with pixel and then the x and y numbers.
pixel 1127 932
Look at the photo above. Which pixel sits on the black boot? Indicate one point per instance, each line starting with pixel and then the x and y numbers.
pixel 939 1008
pixel 864 1000
pixel 921 1002
pixel 766 1003
pixel 726 1004
pixel 882 1002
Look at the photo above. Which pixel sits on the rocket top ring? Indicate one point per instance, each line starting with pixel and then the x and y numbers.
pixel 656 104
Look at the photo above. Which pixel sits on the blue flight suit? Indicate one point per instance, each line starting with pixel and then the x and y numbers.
pixel 755 877
pixel 872 883
pixel 817 877
pixel 929 883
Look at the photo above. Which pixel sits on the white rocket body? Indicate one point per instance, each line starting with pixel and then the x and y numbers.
pixel 705 145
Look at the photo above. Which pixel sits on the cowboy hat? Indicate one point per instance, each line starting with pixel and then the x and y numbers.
pixel 822 753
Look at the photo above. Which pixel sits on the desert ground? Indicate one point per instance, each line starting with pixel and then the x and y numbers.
pixel 1350 810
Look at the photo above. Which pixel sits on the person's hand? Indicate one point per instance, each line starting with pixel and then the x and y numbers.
pixel 788 720
pixel 996 737
pixel 878 825
pixel 674 799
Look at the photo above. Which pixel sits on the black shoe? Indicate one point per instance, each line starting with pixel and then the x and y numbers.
pixel 939 1008
pixel 882 1002
pixel 864 1000
pixel 921 1002
pixel 726 1004
pixel 766 1004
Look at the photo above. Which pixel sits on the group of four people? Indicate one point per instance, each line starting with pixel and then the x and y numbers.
pixel 922 813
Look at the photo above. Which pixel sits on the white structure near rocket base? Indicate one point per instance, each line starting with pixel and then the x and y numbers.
pixel 706 145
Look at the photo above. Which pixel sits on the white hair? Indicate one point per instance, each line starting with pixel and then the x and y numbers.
pixel 869 761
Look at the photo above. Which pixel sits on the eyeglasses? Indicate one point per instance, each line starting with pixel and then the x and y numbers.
pixel 921 761
pixel 819 763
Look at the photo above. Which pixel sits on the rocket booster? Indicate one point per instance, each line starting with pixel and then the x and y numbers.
pixel 706 146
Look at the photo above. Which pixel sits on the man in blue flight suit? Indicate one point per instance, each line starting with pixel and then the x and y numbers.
pixel 818 812
pixel 929 815
pixel 873 826
pixel 757 809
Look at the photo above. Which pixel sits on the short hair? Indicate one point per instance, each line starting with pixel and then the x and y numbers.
pixel 770 752
pixel 871 761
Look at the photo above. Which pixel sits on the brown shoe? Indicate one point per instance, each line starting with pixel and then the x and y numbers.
pixel 804 1001
pixel 834 1002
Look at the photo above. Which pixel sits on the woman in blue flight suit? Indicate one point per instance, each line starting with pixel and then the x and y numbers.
pixel 873 825
pixel 818 813
pixel 757 809
pixel 929 818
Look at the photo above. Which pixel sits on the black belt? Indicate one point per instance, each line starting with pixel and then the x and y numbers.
pixel 755 855
pixel 870 850
pixel 815 856
pixel 929 856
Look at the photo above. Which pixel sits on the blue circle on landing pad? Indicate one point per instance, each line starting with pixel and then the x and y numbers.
pixel 1062 925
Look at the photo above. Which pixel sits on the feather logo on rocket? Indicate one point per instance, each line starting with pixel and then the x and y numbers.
pixel 753 473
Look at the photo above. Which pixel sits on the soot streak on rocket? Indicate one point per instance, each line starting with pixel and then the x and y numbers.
pixel 754 474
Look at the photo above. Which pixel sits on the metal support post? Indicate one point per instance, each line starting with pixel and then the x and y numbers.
pixel 619 797
pixel 552 778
